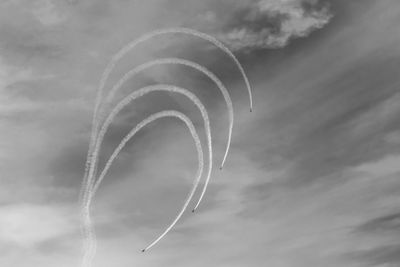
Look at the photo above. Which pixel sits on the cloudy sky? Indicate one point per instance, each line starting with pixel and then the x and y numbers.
pixel 313 174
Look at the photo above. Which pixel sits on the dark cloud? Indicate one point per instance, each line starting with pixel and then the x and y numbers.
pixel 388 223
pixel 378 256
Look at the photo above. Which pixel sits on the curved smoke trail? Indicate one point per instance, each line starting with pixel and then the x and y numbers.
pixel 138 127
pixel 121 53
pixel 178 61
pixel 130 135
pixel 143 91
pixel 123 103
pixel 89 184
pixel 140 93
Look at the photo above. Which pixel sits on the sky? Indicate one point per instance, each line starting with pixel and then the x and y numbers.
pixel 312 178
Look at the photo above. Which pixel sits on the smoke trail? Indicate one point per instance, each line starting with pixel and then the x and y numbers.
pixel 109 120
pixel 89 184
pixel 138 127
pixel 90 244
pixel 188 198
pixel 139 93
pixel 119 55
pixel 178 61
pixel 168 88
pixel 198 67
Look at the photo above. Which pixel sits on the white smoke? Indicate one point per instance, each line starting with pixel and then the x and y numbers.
pixel 99 128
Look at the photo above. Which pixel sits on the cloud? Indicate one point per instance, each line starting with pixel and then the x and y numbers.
pixel 385 166
pixel 11 80
pixel 27 225
pixel 10 75
pixel 46 12
pixel 388 255
pixel 273 23
pixel 387 223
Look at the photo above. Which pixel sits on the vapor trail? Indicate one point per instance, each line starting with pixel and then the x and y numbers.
pixel 191 193
pixel 136 94
pixel 121 53
pixel 178 61
pixel 132 97
pixel 90 244
pixel 127 48
pixel 89 184
pixel 123 103
pixel 138 127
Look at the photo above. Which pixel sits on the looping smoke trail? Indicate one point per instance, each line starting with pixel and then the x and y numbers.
pixel 119 55
pixel 147 37
pixel 178 61
pixel 141 92
pixel 133 96
pixel 123 103
pixel 138 127
pixel 89 183
pixel 130 135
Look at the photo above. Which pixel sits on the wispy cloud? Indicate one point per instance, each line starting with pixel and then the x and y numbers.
pixel 271 24
pixel 28 225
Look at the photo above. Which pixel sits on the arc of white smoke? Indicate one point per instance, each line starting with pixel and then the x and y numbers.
pixel 111 117
pixel 121 53
pixel 136 94
pixel 178 61
pixel 151 35
pixel 96 122
pixel 138 127
pixel 130 135
pixel 130 46
pixel 87 228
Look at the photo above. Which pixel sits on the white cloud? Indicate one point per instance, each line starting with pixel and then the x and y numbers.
pixel 383 167
pixel 28 224
pixel 378 116
pixel 46 12
pixel 10 75
pixel 291 20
